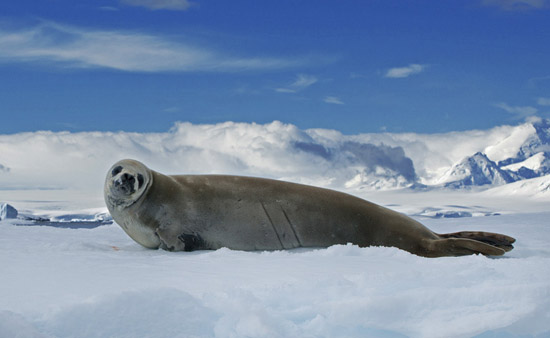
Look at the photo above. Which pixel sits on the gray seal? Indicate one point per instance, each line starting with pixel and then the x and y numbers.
pixel 208 212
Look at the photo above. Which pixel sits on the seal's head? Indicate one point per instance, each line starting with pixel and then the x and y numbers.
pixel 126 182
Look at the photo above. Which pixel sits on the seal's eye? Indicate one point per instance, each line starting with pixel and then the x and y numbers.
pixel 140 181
pixel 116 171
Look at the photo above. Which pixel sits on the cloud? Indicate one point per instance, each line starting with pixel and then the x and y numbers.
pixel 333 100
pixel 109 8
pixel 175 5
pixel 321 157
pixel 519 112
pixel 275 150
pixel 402 72
pixel 75 47
pixel 543 101
pixel 512 5
pixel 302 82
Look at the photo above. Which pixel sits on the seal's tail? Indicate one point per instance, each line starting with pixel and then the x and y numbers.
pixel 473 242
pixel 500 241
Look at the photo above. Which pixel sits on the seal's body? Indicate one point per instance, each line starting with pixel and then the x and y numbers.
pixel 193 212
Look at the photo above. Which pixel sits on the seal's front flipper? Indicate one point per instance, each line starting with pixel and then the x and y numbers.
pixel 191 242
pixel 169 239
pixel 184 242
pixel 462 247
pixel 500 241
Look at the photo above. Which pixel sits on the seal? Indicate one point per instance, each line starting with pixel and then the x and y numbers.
pixel 203 212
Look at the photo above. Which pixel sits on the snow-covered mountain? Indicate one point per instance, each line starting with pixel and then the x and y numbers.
pixel 524 154
pixel 538 187
pixel 474 170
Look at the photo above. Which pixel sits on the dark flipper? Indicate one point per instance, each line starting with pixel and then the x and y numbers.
pixel 500 241
pixel 461 247
pixel 171 241
pixel 191 242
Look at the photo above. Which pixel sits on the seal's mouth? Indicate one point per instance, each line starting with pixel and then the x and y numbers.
pixel 124 184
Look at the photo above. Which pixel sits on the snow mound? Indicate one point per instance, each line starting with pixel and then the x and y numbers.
pixel 7 211
pixel 129 314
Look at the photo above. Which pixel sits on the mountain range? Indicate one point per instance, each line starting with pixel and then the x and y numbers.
pixel 529 158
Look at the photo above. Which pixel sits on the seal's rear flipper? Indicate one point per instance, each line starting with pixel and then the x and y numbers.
pixel 500 241
pixel 462 247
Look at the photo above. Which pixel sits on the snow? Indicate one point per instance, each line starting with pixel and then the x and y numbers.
pixel 7 211
pixel 59 282
pixel 534 163
pixel 508 147
pixel 81 281
pixel 535 188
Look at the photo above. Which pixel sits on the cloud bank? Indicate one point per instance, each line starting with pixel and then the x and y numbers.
pixel 276 150
pixel 322 157
pixel 76 47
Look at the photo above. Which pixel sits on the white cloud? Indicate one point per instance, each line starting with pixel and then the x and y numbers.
pixel 401 72
pixel 275 150
pixel 520 112
pixel 316 156
pixel 543 101
pixel 333 100
pixel 302 82
pixel 511 5
pixel 122 50
pixel 176 5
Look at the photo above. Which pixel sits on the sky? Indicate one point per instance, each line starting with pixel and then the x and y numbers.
pixel 355 66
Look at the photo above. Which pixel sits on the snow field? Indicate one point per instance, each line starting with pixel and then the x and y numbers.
pixel 98 283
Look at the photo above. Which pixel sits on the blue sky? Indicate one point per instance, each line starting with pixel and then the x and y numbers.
pixel 355 66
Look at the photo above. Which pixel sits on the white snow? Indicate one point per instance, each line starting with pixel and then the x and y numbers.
pixel 534 163
pixel 508 146
pixel 57 282
pixel 535 188
pixel 99 283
